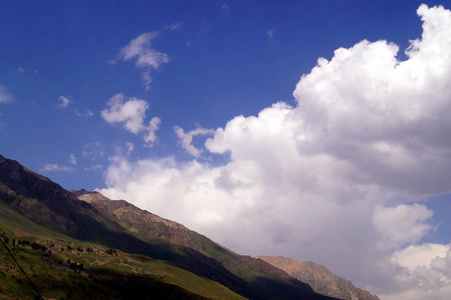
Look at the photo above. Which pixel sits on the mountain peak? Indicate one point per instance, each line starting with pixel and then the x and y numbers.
pixel 319 278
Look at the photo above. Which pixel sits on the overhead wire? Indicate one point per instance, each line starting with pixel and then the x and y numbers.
pixel 20 267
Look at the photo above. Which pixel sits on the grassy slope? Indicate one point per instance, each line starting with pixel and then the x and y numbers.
pixel 104 276
pixel 47 203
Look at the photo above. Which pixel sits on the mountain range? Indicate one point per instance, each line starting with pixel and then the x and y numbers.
pixel 59 244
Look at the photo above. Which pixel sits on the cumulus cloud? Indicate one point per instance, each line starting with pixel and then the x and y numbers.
pixel 5 95
pixel 334 179
pixel 145 56
pixel 186 139
pixel 131 112
pixel 401 224
pixel 56 168
pixel 426 272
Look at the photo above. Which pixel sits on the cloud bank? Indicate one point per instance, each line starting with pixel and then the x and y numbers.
pixel 338 179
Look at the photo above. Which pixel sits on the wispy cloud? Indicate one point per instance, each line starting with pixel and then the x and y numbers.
pixel 130 147
pixel 185 139
pixel 86 114
pixel 225 8
pixel 72 159
pixel 94 167
pixel 5 95
pixel 154 125
pixel 145 56
pixel 173 26
pixel 63 101
pixel 23 70
pixel 56 168
pixel 270 33
pixel 93 151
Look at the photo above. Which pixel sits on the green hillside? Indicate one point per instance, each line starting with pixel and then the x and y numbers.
pixel 64 268
pixel 139 256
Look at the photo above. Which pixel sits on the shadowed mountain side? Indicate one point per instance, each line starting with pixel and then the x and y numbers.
pixel 64 268
pixel 47 203
pixel 152 228
pixel 319 278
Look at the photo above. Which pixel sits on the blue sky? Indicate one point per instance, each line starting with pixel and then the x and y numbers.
pixel 304 122
pixel 223 63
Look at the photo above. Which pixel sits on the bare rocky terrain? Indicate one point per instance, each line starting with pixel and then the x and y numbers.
pixel 319 278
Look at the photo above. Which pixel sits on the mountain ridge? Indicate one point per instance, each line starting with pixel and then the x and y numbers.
pixel 319 278
pixel 40 200
pixel 149 227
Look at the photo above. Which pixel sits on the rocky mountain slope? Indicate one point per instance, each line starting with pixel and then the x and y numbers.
pixel 319 278
pixel 123 228
pixel 152 228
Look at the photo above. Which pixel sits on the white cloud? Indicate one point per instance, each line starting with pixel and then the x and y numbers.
pixel 130 147
pixel 94 167
pixel 225 8
pixel 154 125
pixel 318 181
pixel 5 95
pixel 64 102
pixel 270 33
pixel 131 113
pixel 23 70
pixel 415 256
pixel 72 159
pixel 426 273
pixel 88 113
pixel 146 79
pixel 173 26
pixel 401 224
pixel 186 139
pixel 145 56
pixel 92 150
pixel 56 168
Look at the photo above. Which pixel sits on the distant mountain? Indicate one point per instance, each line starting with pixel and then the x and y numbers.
pixel 319 278
pixel 36 210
